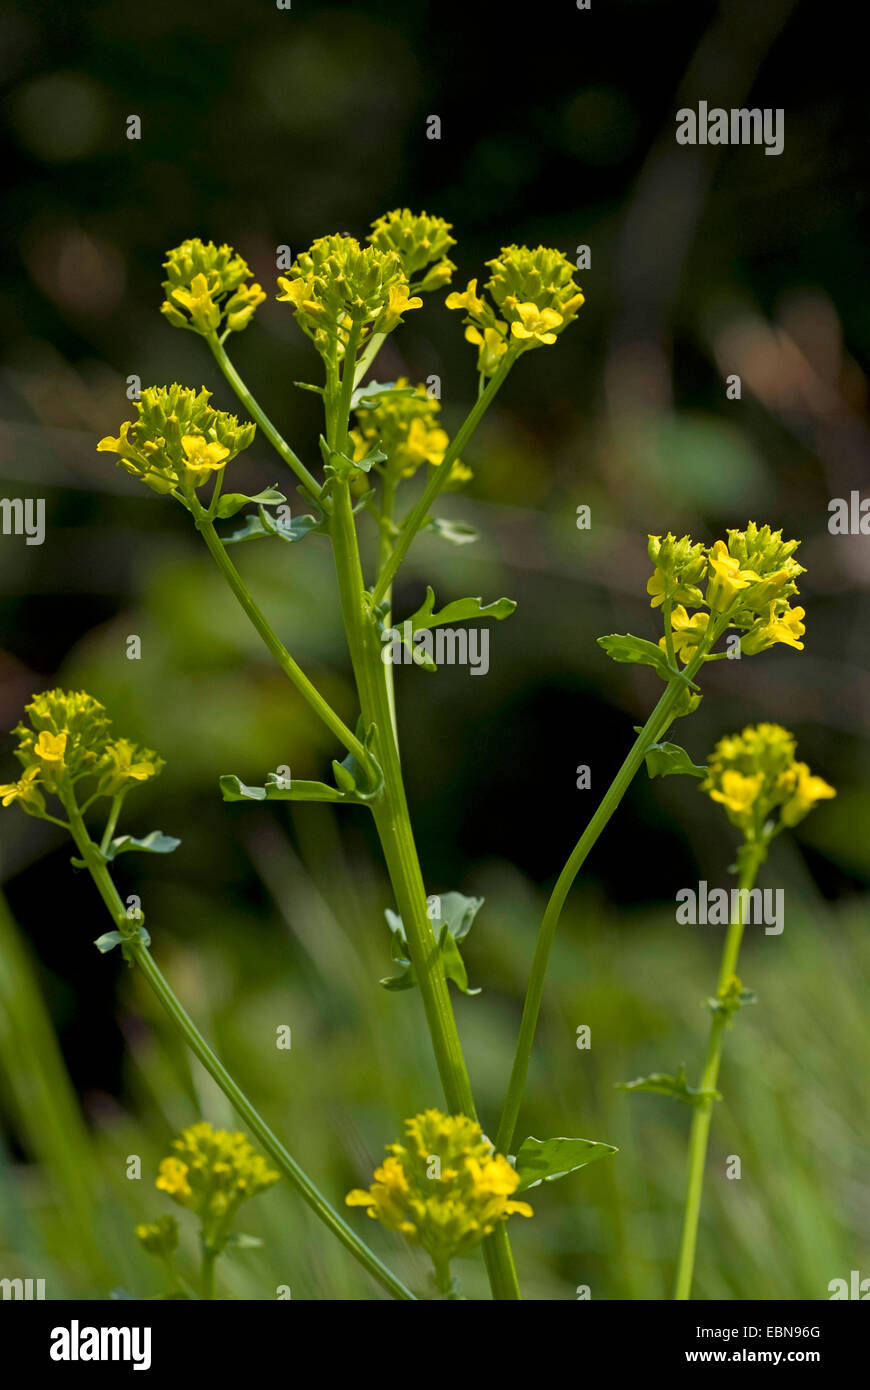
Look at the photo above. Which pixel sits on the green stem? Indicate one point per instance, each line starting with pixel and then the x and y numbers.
pixel 388 501
pixel 200 1048
pixel 370 352
pixel 275 438
pixel 440 476
pixel 292 671
pixel 111 823
pixel 652 731
pixel 207 1277
pixel 393 821
pixel 703 1111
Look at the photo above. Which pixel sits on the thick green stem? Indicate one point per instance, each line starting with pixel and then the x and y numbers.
pixel 199 1047
pixel 393 821
pixel 440 477
pixel 703 1111
pixel 275 438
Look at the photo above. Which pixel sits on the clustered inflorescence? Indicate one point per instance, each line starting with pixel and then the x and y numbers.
pixel 749 580
pixel 535 298
pixel 755 774
pixel 177 441
pixel 443 1188
pixel 212 1172
pixel 67 740
pixel 405 424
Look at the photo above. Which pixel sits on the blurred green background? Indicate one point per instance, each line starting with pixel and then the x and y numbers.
pixel 264 127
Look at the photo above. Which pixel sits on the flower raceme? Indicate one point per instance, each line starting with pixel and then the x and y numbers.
pixel 339 287
pixel 443 1188
pixel 207 288
pixel 421 242
pixel 212 1172
pixel 749 580
pixel 755 774
pixel 177 441
pixel 66 740
pixel 536 298
pixel 405 425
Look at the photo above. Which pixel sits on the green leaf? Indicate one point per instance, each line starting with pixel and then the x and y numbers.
pixel 545 1160
pixel 457 912
pixel 364 397
pixel 669 759
pixel 232 502
pixel 459 611
pixel 276 789
pixel 457 532
pixel 351 782
pixel 399 953
pixel 108 941
pixel 677 1087
pixel 155 843
pixel 453 923
pixel 624 647
pixel 374 455
pixel 261 524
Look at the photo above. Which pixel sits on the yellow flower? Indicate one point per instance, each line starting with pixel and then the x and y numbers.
pixel 492 347
pixel 398 303
pixel 443 1188
pixel 212 1172
pixel 202 458
pixel 24 790
pixel 727 578
pixel 207 286
pixel 404 423
pixel 338 285
pixel 468 299
pixel 50 748
pixel 460 474
pixel 737 792
pixel 535 323
pixel 808 792
pixel 173 1180
pixel 125 762
pixel 177 438
pixel 755 772
pixel 787 627
pixel 205 315
pixel 688 631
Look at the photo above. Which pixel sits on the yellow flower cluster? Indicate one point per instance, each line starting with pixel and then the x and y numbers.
pixel 177 442
pixel 755 773
pixel 339 288
pixel 207 288
pixel 420 241
pixel 536 297
pixel 68 739
pixel 443 1188
pixel 749 580
pixel 405 425
pixel 212 1172
pixel 158 1237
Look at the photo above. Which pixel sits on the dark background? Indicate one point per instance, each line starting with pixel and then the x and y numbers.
pixel 263 127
